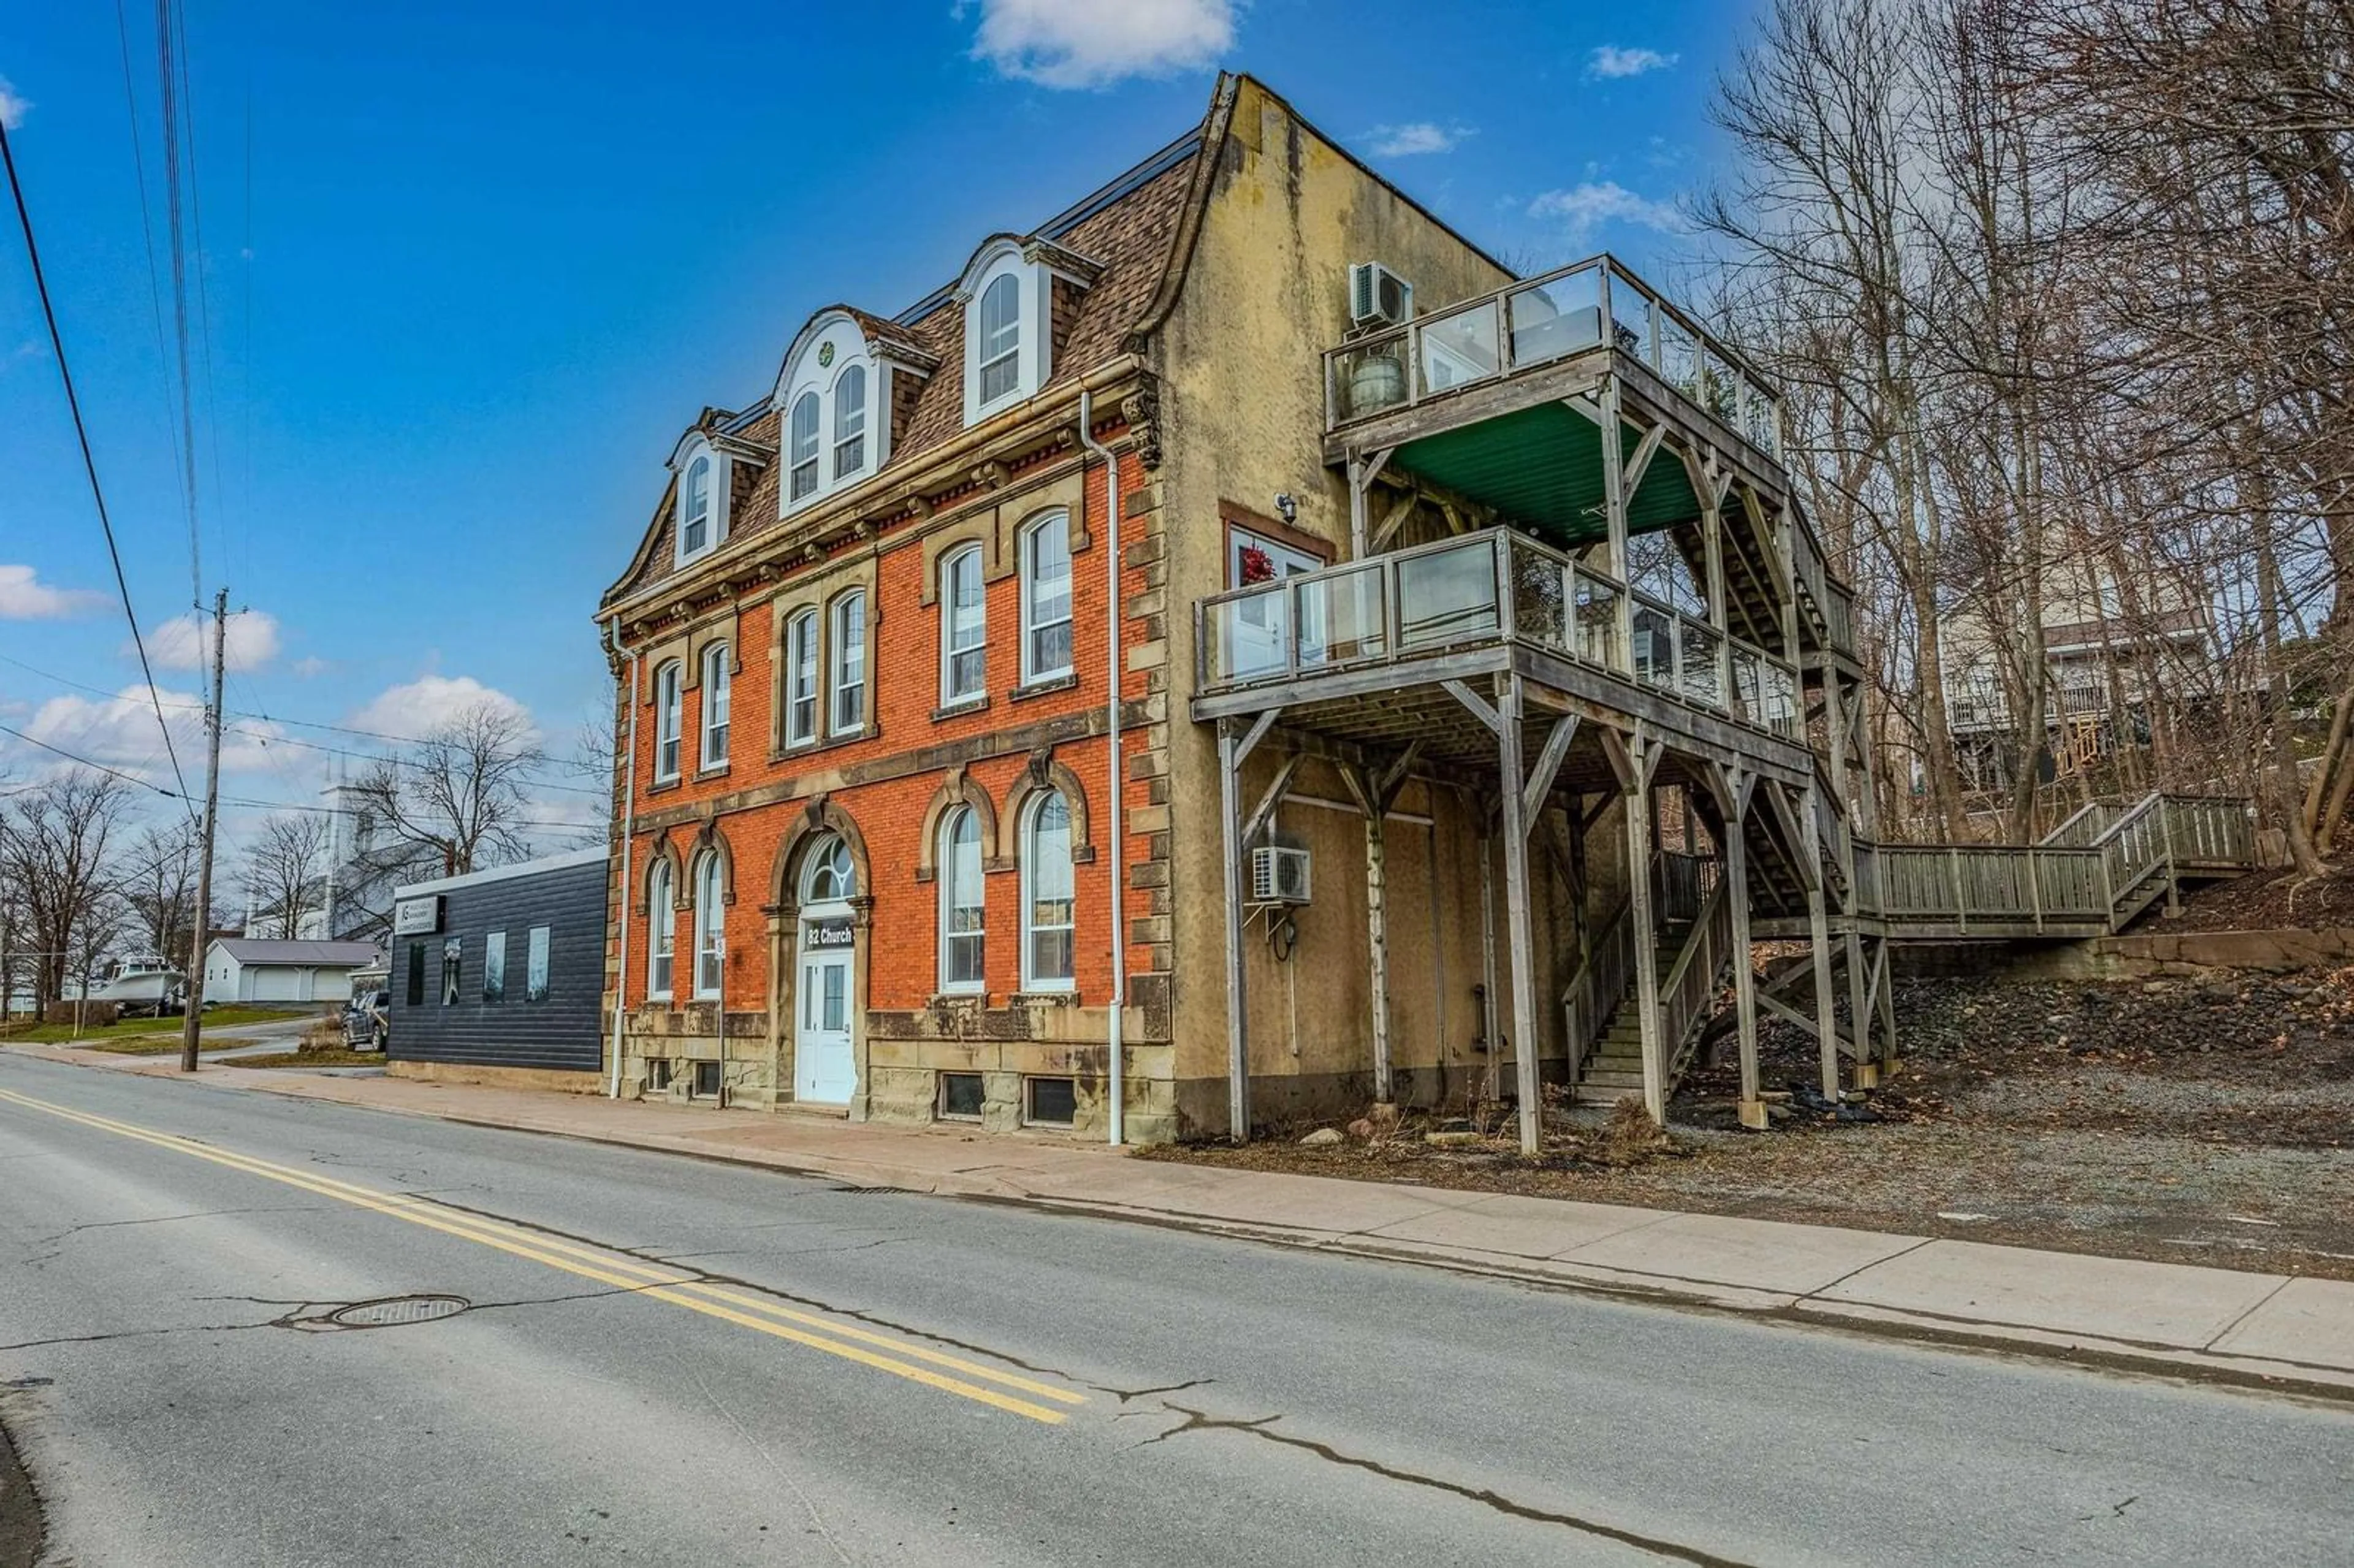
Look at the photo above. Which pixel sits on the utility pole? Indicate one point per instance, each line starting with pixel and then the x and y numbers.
pixel 193 1011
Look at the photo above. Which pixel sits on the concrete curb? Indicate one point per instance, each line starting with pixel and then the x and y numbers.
pixel 1813 1305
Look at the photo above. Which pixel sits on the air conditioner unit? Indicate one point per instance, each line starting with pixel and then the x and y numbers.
pixel 1378 297
pixel 1279 875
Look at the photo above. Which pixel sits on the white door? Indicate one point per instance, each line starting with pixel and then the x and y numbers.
pixel 823 1069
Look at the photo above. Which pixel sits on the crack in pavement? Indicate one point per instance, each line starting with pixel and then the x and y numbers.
pixel 1203 1421
pixel 170 1219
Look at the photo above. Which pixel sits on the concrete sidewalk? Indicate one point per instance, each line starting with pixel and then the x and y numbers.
pixel 2264 1327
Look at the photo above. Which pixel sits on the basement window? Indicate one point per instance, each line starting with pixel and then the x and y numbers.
pixel 1049 1102
pixel 961 1096
pixel 706 1079
pixel 658 1073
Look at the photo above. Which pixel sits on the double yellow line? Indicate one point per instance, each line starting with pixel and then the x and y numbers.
pixel 918 1363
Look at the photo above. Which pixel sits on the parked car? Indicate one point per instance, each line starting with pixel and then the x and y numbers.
pixel 368 1017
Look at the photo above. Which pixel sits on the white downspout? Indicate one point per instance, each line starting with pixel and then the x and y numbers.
pixel 1115 1037
pixel 629 832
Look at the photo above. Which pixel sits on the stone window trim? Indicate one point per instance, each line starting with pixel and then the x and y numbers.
pixel 970 706
pixel 1046 688
pixel 661 853
pixel 958 789
pixel 800 751
pixel 820 592
pixel 979 528
pixel 1042 773
pixel 821 815
pixel 710 838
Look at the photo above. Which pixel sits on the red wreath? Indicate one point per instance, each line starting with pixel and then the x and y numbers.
pixel 1258 566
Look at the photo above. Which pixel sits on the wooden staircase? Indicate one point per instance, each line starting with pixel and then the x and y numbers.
pixel 1614 1067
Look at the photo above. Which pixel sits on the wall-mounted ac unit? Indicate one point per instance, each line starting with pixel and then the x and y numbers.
pixel 1279 875
pixel 1378 297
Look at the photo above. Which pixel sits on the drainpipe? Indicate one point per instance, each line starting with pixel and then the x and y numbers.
pixel 1116 1034
pixel 629 832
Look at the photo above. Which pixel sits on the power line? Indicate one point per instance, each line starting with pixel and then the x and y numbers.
pixel 86 762
pixel 147 231
pixel 89 462
pixel 169 81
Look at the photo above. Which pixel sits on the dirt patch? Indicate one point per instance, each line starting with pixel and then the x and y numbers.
pixel 21 1525
pixel 322 1058
pixel 2267 901
pixel 2193 1122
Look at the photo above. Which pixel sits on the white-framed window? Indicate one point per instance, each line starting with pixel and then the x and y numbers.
pixel 1045 551
pixel 846 679
pixel 801 478
pixel 669 711
pixel 999 343
pixel 964 628
pixel 661 931
pixel 1048 894
pixel 696 530
pixel 828 873
pixel 710 925
pixel 800 678
pixel 1256 558
pixel 716 665
pixel 1262 622
pixel 850 422
pixel 960 901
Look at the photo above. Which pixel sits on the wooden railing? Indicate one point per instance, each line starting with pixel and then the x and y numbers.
pixel 1688 994
pixel 1599 987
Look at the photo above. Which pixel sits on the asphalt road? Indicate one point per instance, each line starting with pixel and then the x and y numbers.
pixel 669 1361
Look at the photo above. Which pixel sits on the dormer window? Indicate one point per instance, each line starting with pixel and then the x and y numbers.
pixel 850 422
pixel 700 524
pixel 1000 339
pixel 802 483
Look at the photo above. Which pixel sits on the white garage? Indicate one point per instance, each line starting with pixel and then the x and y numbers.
pixel 283 974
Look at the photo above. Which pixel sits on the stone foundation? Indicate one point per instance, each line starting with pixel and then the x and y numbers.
pixel 497 1078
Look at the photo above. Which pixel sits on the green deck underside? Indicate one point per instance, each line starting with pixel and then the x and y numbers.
pixel 1543 467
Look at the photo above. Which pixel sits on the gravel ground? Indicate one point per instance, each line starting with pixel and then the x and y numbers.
pixel 2209 1122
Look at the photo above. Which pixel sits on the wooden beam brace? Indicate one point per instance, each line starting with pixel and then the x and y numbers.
pixel 1269 800
pixel 1539 783
pixel 1476 705
pixel 1640 464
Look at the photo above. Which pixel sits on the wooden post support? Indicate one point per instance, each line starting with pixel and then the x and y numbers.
pixel 1374 794
pixel 1518 934
pixel 1818 929
pixel 1859 1007
pixel 1745 979
pixel 1646 928
pixel 1887 1013
pixel 1487 1030
pixel 1237 1022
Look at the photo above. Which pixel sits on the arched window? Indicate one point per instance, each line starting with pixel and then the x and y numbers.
pixel 800 679
pixel 1046 549
pixel 960 901
pixel 1000 338
pixel 710 924
pixel 662 928
pixel 963 628
pixel 694 510
pixel 850 422
pixel 828 876
pixel 847 678
pixel 803 451
pixel 1047 894
pixel 714 705
pixel 667 715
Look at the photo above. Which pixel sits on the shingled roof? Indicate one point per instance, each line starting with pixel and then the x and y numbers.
pixel 1128 228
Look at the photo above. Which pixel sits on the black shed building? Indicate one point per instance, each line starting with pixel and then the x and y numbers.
pixel 504 968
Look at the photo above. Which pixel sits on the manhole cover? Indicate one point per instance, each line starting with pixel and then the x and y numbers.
pixel 395 1310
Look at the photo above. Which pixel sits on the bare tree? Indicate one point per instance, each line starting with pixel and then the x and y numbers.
pixel 283 871
pixel 157 875
pixel 55 836
pixel 455 801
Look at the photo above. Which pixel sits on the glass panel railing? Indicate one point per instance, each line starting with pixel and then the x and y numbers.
pixel 1369 377
pixel 1631 315
pixel 1343 617
pixel 1556 318
pixel 1447 595
pixel 1655 645
pixel 1250 636
pixel 1703 664
pixel 1679 357
pixel 1594 608
pixel 1758 421
pixel 1780 704
pixel 1540 595
pixel 1462 347
pixel 1748 684
pixel 1720 388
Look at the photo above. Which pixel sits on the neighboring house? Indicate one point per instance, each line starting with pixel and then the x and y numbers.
pixel 934 808
pixel 500 970
pixel 274 973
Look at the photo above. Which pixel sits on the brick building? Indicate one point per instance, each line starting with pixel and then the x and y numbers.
pixel 871 857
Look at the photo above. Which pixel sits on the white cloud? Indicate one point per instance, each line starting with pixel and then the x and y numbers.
pixel 417 708
pixel 13 106
pixel 186 642
pixel 24 596
pixel 121 732
pixel 310 667
pixel 1584 208
pixel 1094 43
pixel 1610 63
pixel 1417 136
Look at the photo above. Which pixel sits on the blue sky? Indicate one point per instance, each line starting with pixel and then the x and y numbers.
pixel 469 269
